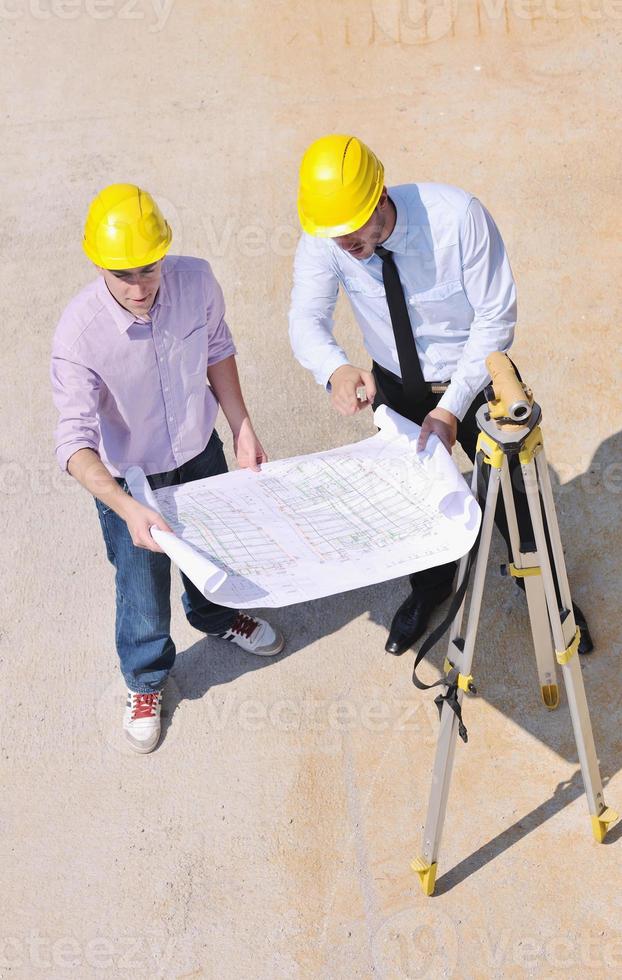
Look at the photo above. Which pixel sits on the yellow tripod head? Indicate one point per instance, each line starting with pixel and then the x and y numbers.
pixel 509 400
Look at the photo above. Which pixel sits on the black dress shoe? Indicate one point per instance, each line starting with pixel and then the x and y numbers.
pixel 585 643
pixel 411 620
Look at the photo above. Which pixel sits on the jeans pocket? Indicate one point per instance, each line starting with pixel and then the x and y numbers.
pixel 102 509
pixel 105 514
pixel 112 558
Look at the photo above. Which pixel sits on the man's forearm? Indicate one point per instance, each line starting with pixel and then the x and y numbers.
pixel 314 346
pixel 87 468
pixel 225 383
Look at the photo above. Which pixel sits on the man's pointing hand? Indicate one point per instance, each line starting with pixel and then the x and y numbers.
pixel 344 383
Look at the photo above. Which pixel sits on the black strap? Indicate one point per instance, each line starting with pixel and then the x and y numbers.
pixel 415 388
pixel 515 368
pixel 450 680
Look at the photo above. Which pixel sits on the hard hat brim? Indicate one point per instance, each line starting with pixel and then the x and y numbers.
pixel 129 262
pixel 345 227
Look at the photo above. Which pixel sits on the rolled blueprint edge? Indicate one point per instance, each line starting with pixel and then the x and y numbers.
pixel 207 576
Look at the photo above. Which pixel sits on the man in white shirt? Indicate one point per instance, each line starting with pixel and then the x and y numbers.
pixel 426 271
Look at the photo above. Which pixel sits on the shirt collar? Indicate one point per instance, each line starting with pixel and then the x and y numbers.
pixel 122 317
pixel 163 298
pixel 397 240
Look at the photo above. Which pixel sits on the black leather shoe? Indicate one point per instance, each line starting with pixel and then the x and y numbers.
pixel 585 643
pixel 411 620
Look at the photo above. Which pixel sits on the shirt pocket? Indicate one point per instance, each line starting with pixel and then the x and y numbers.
pixel 194 349
pixel 364 287
pixel 445 294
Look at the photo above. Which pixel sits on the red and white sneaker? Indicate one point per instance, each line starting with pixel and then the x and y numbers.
pixel 141 721
pixel 254 636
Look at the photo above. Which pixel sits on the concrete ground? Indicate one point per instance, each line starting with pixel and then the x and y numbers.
pixel 270 835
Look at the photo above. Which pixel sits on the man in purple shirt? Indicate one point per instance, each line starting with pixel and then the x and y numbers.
pixel 130 359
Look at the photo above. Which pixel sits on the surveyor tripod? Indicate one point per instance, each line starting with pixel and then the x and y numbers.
pixel 509 425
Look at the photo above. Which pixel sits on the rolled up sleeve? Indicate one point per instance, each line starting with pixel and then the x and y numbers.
pixel 313 300
pixel 490 289
pixel 76 392
pixel 220 341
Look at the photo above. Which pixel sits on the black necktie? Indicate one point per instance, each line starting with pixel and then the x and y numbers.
pixel 415 388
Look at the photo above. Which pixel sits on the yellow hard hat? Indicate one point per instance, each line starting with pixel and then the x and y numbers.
pixel 341 181
pixel 125 228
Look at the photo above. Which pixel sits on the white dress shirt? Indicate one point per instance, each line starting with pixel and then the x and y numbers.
pixel 457 282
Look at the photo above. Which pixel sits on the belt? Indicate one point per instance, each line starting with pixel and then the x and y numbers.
pixel 169 478
pixel 434 387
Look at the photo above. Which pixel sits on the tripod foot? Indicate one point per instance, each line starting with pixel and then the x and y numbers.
pixel 427 874
pixel 601 823
pixel 550 696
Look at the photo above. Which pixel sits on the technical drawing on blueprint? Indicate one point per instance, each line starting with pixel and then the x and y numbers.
pixel 314 525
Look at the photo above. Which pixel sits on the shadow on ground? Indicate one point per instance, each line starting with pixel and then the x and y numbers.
pixel 209 663
pixel 564 794
pixel 504 663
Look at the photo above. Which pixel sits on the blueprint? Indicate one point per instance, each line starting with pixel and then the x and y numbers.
pixel 315 525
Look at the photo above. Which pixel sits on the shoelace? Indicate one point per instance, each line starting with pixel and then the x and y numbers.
pixel 144 705
pixel 244 625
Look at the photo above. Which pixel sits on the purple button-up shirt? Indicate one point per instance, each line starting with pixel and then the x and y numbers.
pixel 136 391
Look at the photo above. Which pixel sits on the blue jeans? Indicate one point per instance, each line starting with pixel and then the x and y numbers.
pixel 143 586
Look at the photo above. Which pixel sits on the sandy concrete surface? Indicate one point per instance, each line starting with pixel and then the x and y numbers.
pixel 271 833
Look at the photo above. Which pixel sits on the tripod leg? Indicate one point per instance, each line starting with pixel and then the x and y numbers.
pixel 566 637
pixel 541 635
pixel 526 566
pixel 461 654
pixel 456 626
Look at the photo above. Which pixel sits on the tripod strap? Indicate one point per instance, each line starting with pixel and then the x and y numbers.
pixel 450 697
pixel 450 680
